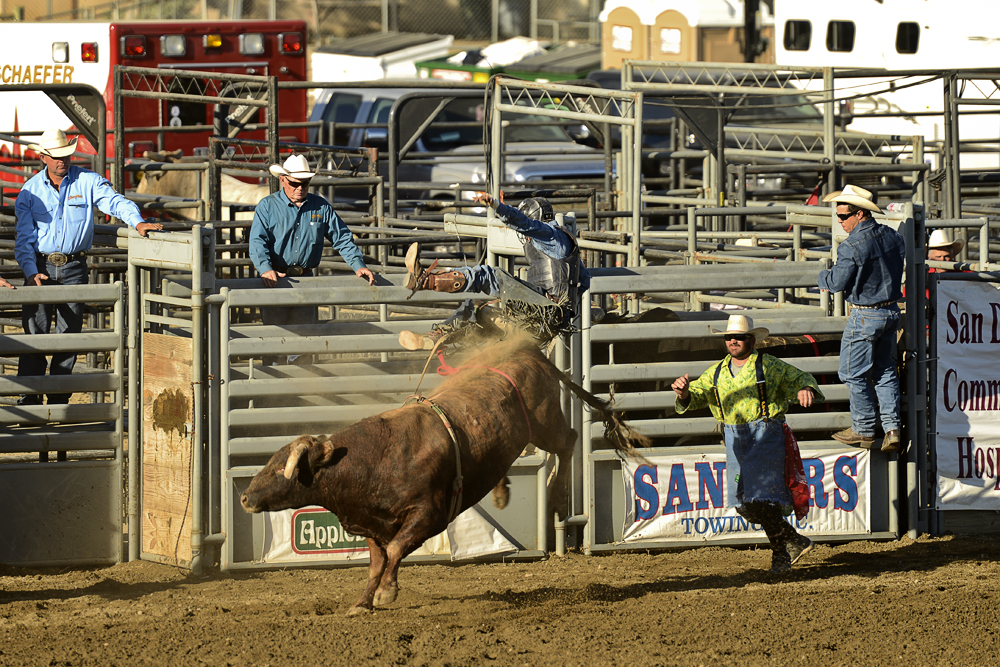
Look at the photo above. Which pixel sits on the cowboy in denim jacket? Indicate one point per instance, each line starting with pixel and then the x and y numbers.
pixel 869 270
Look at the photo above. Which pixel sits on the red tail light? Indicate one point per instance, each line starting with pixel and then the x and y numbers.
pixel 134 46
pixel 139 148
pixel 291 42
pixel 88 52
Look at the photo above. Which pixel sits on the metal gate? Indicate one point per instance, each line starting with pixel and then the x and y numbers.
pixel 61 465
pixel 355 368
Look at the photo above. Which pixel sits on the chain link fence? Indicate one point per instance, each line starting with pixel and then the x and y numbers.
pixel 482 21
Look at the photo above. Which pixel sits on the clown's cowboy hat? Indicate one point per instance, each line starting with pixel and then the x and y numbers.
pixel 296 167
pixel 741 324
pixel 53 143
pixel 941 238
pixel 852 194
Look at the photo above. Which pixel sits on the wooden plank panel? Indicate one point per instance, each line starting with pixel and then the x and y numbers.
pixel 167 428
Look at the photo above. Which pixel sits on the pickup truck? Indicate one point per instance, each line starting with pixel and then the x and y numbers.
pixel 447 160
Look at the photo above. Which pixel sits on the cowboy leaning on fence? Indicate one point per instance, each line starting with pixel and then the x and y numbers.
pixel 55 227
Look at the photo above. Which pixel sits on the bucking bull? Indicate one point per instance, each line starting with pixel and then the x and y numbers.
pixel 398 478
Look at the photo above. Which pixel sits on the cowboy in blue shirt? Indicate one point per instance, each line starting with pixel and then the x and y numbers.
pixel 869 270
pixel 286 238
pixel 55 227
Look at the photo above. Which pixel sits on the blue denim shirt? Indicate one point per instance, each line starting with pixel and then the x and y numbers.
pixel 283 234
pixel 869 266
pixel 50 220
pixel 549 239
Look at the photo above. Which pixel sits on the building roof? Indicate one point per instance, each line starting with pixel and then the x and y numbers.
pixel 378 44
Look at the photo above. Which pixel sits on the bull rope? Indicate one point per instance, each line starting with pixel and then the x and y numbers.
pixel 457 485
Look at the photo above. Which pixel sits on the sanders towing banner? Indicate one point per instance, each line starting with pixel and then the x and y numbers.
pixel 683 498
pixel 968 395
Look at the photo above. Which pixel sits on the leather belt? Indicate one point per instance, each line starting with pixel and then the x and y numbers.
pixel 61 258
pixel 295 270
pixel 883 304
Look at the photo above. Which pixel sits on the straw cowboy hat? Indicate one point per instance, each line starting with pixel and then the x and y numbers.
pixel 941 238
pixel 54 144
pixel 296 167
pixel 741 324
pixel 852 194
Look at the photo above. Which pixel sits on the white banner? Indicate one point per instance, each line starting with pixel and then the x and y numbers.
pixel 312 533
pixel 682 498
pixel 968 395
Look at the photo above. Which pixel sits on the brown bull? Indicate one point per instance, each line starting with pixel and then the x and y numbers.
pixel 391 477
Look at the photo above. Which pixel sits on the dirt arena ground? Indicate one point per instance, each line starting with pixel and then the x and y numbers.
pixel 932 601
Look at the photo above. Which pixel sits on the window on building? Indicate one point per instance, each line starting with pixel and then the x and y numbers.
pixel 621 38
pixel 907 37
pixel 670 40
pixel 840 36
pixel 798 35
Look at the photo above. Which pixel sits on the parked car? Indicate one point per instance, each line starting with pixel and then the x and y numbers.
pixel 448 157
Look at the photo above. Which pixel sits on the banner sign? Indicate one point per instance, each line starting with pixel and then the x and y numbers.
pixel 968 395
pixel 312 533
pixel 683 498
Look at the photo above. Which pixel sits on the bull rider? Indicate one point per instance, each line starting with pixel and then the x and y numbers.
pixel 544 305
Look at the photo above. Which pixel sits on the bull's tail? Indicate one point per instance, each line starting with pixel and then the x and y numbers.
pixel 616 430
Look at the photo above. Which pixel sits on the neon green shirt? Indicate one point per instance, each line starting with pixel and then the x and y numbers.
pixel 740 398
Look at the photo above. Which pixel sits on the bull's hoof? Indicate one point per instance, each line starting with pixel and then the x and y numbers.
pixel 501 495
pixel 384 596
pixel 357 611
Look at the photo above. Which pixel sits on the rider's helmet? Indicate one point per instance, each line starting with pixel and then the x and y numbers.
pixel 537 208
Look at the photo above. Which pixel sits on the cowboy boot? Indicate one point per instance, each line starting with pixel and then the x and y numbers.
pixel 430 279
pixel 412 263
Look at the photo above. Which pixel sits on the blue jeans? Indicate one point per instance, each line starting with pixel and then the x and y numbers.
pixel 37 319
pixel 487 280
pixel 868 353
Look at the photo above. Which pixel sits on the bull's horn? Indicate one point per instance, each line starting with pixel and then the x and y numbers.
pixel 293 459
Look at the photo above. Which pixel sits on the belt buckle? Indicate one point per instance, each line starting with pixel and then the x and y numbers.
pixel 295 270
pixel 57 258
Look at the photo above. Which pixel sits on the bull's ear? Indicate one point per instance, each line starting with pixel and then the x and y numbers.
pixel 320 453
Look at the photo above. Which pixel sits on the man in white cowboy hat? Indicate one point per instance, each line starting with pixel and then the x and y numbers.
pixel 55 227
pixel 286 237
pixel 753 430
pixel 869 270
pixel 942 248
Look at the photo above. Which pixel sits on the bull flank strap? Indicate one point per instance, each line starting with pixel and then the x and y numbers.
pixel 445 369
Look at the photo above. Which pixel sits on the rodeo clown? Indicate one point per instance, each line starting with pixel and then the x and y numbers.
pixel 544 305
pixel 753 430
